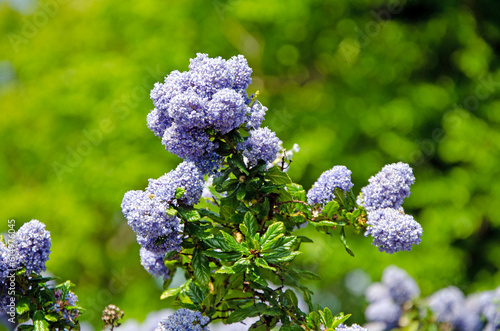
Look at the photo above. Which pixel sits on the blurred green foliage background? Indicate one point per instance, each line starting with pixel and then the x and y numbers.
pixel 360 83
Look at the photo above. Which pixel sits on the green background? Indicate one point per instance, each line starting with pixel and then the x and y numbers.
pixel 360 83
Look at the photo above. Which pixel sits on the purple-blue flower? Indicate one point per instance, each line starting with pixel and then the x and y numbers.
pixel 185 320
pixel 388 188
pixel 261 145
pixel 186 176
pixel 226 111
pixel 446 304
pixel 401 286
pixel 4 262
pixel 170 241
pixel 31 246
pixel 354 327
pixel 255 115
pixel 210 97
pixel 385 311
pixel 154 263
pixel 392 230
pixel 240 72
pixel 322 190
pixel 147 216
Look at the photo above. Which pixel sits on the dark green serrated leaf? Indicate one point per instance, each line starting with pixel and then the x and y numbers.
pixel 236 160
pixel 210 214
pixel 195 293
pixel 278 177
pixel 25 327
pixel 218 242
pixel 272 232
pixel 201 267
pixel 233 244
pixel 251 223
pixel 223 256
pixel 240 314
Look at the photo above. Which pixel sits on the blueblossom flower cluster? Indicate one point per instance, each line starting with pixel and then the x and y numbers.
pixel 388 188
pixel 4 262
pixel 393 230
pixel 387 298
pixel 262 144
pixel 322 190
pixel 154 263
pixel 31 247
pixel 478 311
pixel 186 320
pixel 210 96
pixel 146 211
pixel 354 327
pixel 69 300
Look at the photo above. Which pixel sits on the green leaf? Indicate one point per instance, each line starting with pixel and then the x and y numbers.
pixel 272 232
pixel 24 327
pixel 22 306
pixel 189 215
pixel 251 223
pixel 323 223
pixel 260 262
pixel 235 136
pixel 171 211
pixel 51 317
pixel 292 298
pixel 263 208
pixel 201 267
pixel 330 209
pixel 240 314
pixel 237 161
pixel 240 194
pixel 339 319
pixel 222 177
pixel 223 256
pixel 210 214
pixel 233 244
pixel 344 242
pixel 225 270
pixel 195 293
pixel 39 322
pixel 278 177
pixel 218 242
pixel 172 292
pixel 179 192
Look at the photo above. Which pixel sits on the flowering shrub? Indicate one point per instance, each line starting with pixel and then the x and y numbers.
pixel 237 251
